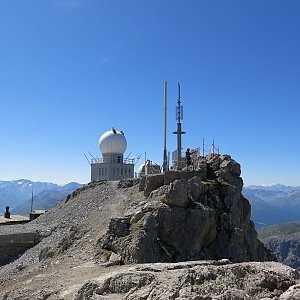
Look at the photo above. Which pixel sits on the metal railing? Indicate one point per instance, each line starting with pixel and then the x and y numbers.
pixel 125 161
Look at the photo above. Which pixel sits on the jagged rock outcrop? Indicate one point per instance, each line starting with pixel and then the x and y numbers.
pixel 189 215
pixel 68 263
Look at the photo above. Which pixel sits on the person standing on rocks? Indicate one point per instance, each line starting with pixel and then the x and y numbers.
pixel 188 158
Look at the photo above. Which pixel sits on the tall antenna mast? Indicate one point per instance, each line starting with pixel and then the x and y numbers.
pixel 165 158
pixel 31 200
pixel 179 118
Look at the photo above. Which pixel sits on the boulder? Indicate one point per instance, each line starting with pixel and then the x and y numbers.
pixel 159 192
pixel 136 217
pixel 197 189
pixel 153 182
pixel 225 169
pixel 230 166
pixel 177 193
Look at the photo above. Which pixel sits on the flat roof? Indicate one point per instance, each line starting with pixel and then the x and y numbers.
pixel 39 211
pixel 13 218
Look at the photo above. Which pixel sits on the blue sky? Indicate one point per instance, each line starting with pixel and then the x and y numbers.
pixel 72 69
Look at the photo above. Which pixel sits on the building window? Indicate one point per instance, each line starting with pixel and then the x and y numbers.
pixel 125 171
pixel 113 171
pixel 119 159
pixel 128 171
pixel 99 171
pixel 105 171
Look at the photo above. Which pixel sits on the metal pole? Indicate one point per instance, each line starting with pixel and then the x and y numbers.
pixel 31 201
pixel 145 164
pixel 165 159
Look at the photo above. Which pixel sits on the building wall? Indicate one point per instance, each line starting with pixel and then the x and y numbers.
pixel 113 171
pixel 12 245
pixel 112 158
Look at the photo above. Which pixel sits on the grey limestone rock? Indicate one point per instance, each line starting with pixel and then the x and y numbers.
pixel 177 193
pixel 225 169
pixel 292 293
pixel 159 192
pixel 126 183
pixel 168 234
pixel 136 217
pixel 197 189
pixel 229 165
pixel 195 280
pixel 153 182
pixel 186 232
pixel 142 184
pixel 189 219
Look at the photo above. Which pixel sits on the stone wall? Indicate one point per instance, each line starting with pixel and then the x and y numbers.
pixel 12 245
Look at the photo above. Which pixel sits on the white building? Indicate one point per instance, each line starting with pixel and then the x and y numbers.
pixel 112 165
pixel 151 168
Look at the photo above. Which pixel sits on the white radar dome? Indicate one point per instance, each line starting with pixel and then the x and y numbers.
pixel 113 141
pixel 141 169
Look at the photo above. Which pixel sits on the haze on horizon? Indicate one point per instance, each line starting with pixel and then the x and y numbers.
pixel 72 69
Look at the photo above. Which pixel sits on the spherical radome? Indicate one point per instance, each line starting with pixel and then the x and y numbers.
pixel 141 169
pixel 154 168
pixel 113 141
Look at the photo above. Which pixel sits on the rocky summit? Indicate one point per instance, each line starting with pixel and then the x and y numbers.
pixel 188 215
pixel 178 235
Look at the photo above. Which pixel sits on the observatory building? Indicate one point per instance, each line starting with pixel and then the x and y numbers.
pixel 151 168
pixel 112 165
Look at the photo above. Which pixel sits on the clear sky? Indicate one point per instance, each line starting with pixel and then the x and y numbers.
pixel 72 69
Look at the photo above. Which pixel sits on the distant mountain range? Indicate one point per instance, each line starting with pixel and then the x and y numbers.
pixel 270 204
pixel 273 204
pixel 284 241
pixel 17 194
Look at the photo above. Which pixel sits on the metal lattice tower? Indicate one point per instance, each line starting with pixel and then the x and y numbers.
pixel 179 132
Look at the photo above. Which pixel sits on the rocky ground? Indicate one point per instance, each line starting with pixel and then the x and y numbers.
pixel 70 262
pixel 69 233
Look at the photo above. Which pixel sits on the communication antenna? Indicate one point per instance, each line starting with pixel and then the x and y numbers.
pixel 92 156
pixel 165 156
pixel 128 156
pixel 31 200
pixel 137 159
pixel 179 132
pixel 87 158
